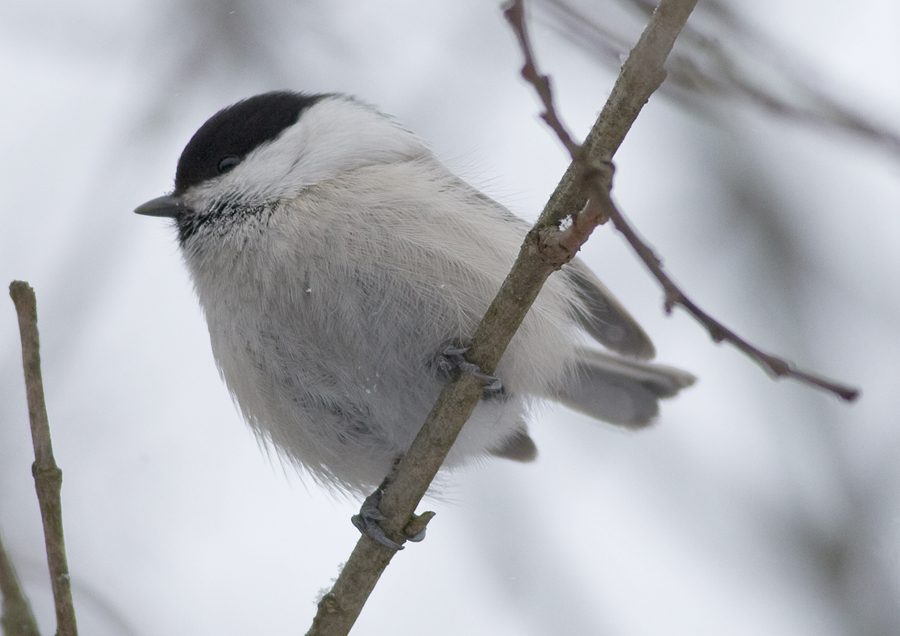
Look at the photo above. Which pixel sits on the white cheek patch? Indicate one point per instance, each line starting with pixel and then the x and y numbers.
pixel 332 137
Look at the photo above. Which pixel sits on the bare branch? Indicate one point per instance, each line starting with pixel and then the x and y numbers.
pixel 47 475
pixel 604 144
pixel 546 248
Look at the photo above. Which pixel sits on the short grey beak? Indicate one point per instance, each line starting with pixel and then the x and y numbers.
pixel 168 205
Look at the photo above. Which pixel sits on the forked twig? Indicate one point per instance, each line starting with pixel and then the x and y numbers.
pixel 598 187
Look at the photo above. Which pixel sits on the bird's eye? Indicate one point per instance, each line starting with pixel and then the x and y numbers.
pixel 227 163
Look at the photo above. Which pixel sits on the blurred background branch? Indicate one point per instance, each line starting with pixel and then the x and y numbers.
pixel 721 62
pixel 16 617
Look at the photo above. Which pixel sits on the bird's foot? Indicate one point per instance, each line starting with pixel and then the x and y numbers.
pixel 369 519
pixel 452 356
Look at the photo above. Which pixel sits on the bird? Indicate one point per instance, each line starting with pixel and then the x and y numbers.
pixel 342 269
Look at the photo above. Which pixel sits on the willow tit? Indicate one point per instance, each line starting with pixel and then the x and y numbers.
pixel 341 267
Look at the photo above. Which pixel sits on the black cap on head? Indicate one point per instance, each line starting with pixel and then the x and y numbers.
pixel 229 135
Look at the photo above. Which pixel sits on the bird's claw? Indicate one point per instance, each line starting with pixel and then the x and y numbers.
pixel 369 518
pixel 452 356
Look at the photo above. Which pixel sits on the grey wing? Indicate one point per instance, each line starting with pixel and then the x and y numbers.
pixel 608 388
pixel 603 317
pixel 618 391
pixel 596 310
pixel 605 387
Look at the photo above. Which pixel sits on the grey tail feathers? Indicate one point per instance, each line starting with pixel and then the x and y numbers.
pixel 618 391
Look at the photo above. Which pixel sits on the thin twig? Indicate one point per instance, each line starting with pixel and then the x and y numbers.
pixel 17 619
pixel 674 296
pixel 545 249
pixel 773 365
pixel 515 14
pixel 47 475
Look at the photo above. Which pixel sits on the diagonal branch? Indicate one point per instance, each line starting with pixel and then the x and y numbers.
pixel 599 192
pixel 546 248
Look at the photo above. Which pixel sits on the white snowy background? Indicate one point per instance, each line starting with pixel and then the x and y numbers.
pixel 753 507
